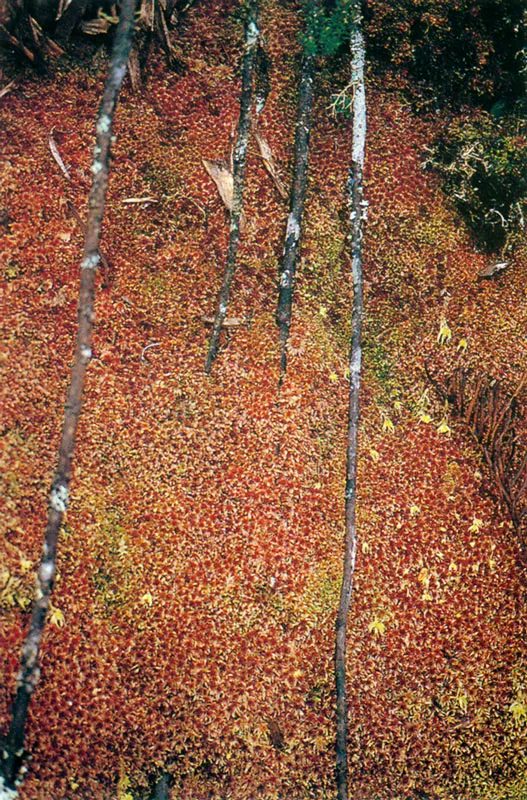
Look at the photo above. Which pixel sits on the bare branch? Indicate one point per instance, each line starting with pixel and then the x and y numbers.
pixel 357 205
pixel 252 35
pixel 296 205
pixel 28 676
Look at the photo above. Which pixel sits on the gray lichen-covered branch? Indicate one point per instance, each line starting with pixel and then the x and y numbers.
pixel 13 746
pixel 252 35
pixel 296 205
pixel 357 216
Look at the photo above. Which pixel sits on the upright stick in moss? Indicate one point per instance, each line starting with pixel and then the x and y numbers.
pixel 357 215
pixel 28 676
pixel 244 126
pixel 296 204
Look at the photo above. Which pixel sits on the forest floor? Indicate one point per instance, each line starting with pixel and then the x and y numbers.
pixel 193 618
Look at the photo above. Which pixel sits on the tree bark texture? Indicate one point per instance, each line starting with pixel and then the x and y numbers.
pixel 252 35
pixel 28 676
pixel 357 215
pixel 296 205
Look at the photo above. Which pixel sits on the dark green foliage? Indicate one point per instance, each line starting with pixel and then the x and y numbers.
pixel 328 25
pixel 459 50
pixel 484 166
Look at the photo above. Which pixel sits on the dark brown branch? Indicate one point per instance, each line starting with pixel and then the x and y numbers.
pixel 357 216
pixel 17 44
pixel 28 676
pixel 296 205
pixel 244 126
pixel 494 420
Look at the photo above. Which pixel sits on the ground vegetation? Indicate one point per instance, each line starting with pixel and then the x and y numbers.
pixel 190 641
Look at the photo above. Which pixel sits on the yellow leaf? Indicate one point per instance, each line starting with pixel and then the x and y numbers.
pixel 377 627
pixel 518 709
pixel 323 311
pixel 57 617
pixel 424 577
pixel 365 547
pixel 297 673
pixel 320 743
pixel 398 406
pixel 333 377
pixel 387 425
pixel 425 417
pixel 25 564
pixel 445 334
pixel 147 599
pixel 414 510
pixel 375 455
pixel 463 345
pixel 23 602
pixel 123 784
pixel 443 427
pixel 462 699
pixel 476 526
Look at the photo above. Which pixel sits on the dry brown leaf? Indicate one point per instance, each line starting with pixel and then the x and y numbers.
pixel 275 734
pixel 221 174
pixel 493 269
pixel 95 27
pixel 270 164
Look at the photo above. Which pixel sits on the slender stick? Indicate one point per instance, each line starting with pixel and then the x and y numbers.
pixel 28 676
pixel 252 35
pixel 296 204
pixel 355 188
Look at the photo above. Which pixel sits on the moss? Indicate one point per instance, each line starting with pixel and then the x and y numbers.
pixel 161 177
pixel 114 576
pixel 378 363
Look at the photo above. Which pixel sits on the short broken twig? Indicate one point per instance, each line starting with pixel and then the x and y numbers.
pixel 7 88
pixel 138 200
pixel 148 346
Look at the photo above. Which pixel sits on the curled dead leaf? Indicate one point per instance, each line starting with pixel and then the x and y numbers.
pixel 270 164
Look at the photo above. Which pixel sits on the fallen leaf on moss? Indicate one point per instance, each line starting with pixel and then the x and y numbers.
pixel 57 617
pixel 445 334
pixel 377 627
